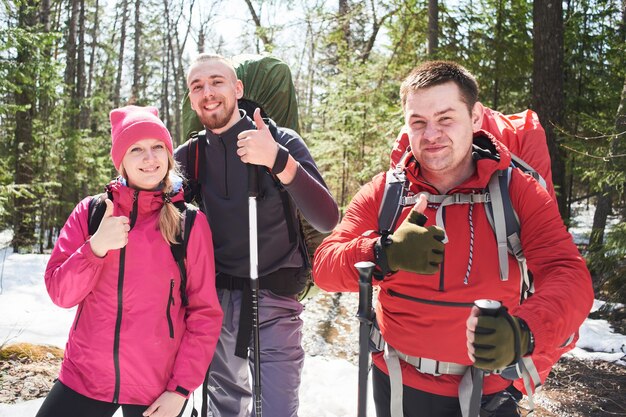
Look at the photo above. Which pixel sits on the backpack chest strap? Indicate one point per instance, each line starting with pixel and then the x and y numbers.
pixel 498 208
pixel 443 200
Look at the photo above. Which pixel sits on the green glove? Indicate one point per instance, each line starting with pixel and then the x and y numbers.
pixel 415 248
pixel 500 340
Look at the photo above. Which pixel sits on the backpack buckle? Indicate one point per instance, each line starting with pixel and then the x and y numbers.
pixel 428 366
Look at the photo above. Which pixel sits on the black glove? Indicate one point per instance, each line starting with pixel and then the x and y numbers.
pixel 411 247
pixel 500 340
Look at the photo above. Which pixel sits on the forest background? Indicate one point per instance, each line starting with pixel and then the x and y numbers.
pixel 64 64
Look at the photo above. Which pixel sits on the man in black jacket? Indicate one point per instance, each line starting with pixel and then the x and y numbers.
pixel 288 179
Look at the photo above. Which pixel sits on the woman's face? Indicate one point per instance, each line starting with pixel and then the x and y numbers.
pixel 145 164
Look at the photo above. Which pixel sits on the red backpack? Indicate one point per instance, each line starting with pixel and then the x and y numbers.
pixel 521 133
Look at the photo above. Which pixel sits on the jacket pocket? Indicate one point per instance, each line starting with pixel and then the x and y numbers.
pixel 168 313
pixel 430 302
pixel 80 311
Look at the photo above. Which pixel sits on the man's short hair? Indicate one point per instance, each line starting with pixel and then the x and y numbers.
pixel 207 57
pixel 432 73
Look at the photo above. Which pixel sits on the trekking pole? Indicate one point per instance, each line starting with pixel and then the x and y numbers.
pixel 365 315
pixel 253 192
pixel 487 308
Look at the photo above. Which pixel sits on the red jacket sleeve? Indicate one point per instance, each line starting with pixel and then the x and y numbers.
pixel 203 316
pixel 563 292
pixel 73 270
pixel 350 242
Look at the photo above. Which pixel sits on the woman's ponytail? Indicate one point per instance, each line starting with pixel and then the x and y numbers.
pixel 169 217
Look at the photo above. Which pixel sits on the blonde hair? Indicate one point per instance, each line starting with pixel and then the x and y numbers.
pixel 206 57
pixel 170 217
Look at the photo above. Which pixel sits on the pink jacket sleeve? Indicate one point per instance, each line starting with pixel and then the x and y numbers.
pixel 204 314
pixel 563 292
pixel 73 270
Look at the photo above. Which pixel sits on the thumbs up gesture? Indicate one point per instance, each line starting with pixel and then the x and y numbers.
pixel 111 234
pixel 413 247
pixel 257 146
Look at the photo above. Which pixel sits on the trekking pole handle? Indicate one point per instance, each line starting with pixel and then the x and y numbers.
pixel 253 180
pixel 488 307
pixel 365 312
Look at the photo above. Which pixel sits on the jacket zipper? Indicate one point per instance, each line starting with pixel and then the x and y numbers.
pixel 170 303
pixel 441 268
pixel 120 298
pixel 225 166
pixel 430 302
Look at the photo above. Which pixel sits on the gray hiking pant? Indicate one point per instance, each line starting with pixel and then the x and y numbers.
pixel 282 357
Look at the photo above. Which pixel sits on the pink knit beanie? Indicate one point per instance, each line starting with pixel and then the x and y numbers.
pixel 133 123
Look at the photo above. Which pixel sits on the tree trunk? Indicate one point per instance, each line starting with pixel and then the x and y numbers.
pixel 45 108
pixel 605 200
pixel 433 28
pixel 120 58
pixel 172 53
pixel 135 91
pixel 261 31
pixel 81 78
pixel 376 25
pixel 547 88
pixel 92 58
pixel 498 42
pixel 344 19
pixel 23 215
pixel 70 63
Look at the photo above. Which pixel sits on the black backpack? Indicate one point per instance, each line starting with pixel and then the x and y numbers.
pixel 97 208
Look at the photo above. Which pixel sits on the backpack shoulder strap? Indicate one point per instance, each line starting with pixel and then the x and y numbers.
pixel 392 202
pixel 284 195
pixel 195 159
pixel 395 195
pixel 506 226
pixel 518 162
pixel 97 208
pixel 195 156
pixel 179 249
pixel 504 219
pixel 191 167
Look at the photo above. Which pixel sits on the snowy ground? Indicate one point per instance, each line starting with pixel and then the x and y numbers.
pixel 330 375
pixel 28 315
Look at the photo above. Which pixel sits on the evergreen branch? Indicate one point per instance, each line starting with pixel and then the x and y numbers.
pixel 575 136
pixel 604 158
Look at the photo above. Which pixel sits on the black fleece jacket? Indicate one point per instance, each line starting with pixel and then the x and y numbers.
pixel 225 198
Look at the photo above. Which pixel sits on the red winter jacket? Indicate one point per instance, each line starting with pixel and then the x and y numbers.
pixel 131 339
pixel 425 315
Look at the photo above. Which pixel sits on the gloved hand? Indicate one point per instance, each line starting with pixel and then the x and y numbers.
pixel 495 342
pixel 414 248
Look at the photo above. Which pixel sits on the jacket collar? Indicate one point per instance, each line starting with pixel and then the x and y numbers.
pixel 147 201
pixel 489 156
pixel 244 123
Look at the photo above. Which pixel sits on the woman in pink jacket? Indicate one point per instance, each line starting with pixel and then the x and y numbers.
pixel 134 343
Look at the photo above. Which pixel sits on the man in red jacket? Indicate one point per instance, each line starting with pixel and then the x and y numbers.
pixel 433 335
